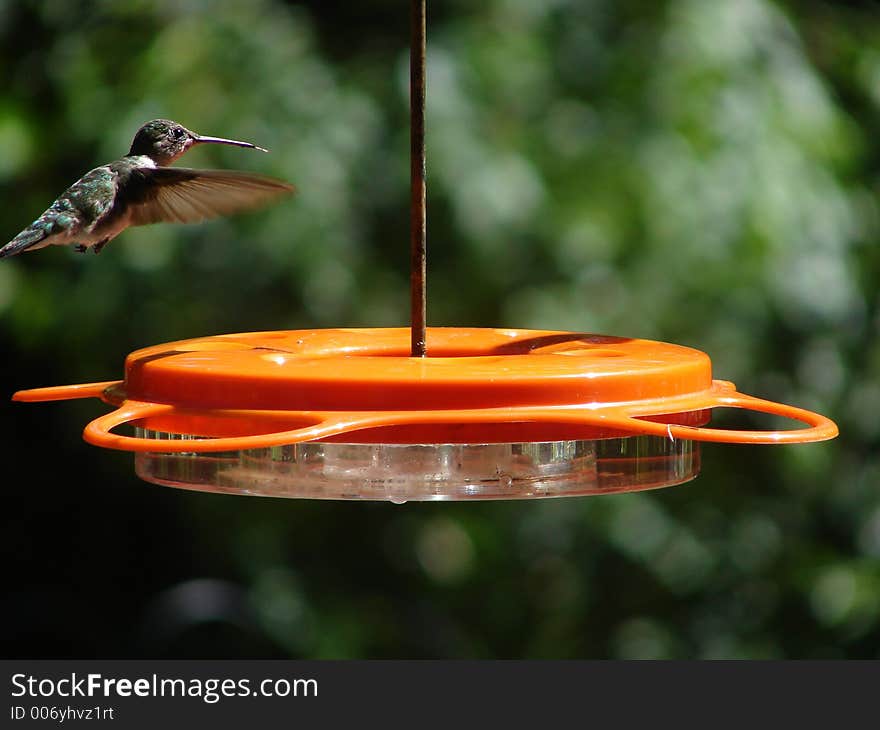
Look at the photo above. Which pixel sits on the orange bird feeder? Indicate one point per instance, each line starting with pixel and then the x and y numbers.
pixel 490 414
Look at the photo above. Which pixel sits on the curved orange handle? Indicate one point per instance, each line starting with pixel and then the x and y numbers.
pixel 100 431
pixel 819 428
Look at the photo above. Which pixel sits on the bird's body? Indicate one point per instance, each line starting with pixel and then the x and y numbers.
pixel 139 189
pixel 87 213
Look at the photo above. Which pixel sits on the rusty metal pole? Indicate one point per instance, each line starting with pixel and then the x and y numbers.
pixel 417 176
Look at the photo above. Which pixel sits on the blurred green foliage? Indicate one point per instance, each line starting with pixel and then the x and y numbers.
pixel 697 172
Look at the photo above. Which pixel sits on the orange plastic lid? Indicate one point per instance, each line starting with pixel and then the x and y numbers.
pixel 262 389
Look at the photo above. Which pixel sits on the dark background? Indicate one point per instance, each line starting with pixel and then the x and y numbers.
pixel 696 172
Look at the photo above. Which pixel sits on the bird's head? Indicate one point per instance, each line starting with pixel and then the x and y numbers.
pixel 164 141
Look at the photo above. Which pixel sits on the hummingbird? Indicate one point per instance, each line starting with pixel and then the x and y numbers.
pixel 140 188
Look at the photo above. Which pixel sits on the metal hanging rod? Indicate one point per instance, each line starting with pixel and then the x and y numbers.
pixel 418 289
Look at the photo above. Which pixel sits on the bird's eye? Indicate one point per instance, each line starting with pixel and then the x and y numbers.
pixel 177 133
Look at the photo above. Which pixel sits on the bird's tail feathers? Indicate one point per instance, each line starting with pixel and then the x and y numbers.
pixel 28 238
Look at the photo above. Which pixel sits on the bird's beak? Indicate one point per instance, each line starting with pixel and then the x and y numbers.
pixel 201 139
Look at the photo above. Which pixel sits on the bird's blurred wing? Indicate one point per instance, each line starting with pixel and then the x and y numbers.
pixel 182 195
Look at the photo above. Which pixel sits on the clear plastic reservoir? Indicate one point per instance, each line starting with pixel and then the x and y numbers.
pixel 420 472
